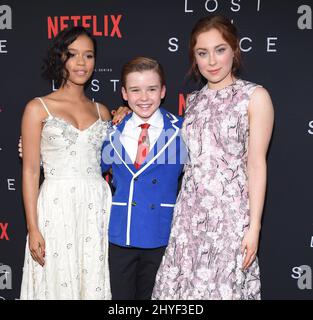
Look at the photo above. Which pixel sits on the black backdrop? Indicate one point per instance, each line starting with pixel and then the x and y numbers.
pixel 277 47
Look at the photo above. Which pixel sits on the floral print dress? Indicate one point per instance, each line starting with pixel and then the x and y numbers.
pixel 203 259
pixel 73 212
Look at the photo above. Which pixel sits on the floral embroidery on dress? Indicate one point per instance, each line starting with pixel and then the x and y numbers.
pixel 203 259
pixel 98 133
pixel 68 133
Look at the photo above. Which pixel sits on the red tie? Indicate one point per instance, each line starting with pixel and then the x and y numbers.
pixel 143 145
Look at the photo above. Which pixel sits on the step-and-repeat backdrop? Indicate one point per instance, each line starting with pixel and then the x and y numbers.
pixel 277 47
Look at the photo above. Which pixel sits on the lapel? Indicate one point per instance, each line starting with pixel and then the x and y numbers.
pixel 118 147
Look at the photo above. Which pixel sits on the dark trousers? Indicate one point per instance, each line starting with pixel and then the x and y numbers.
pixel 133 271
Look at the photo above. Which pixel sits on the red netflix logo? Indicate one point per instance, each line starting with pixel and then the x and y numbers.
pixel 105 26
pixel 181 104
pixel 3 231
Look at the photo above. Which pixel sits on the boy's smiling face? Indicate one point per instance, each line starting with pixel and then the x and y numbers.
pixel 144 92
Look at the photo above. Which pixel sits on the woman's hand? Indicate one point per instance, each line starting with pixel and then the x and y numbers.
pixel 120 114
pixel 37 246
pixel 249 247
pixel 20 147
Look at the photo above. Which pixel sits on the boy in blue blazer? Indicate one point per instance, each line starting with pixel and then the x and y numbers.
pixel 146 154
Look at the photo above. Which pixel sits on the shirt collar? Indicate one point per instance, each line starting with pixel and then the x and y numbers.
pixel 155 121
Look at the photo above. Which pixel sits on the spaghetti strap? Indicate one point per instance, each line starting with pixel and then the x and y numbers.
pixel 98 111
pixel 44 105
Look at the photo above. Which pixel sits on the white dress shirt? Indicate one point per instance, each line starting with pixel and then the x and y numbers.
pixel 130 135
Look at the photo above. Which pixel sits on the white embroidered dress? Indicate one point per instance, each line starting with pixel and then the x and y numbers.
pixel 73 214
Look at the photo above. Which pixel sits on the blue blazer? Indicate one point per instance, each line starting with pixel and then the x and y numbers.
pixel 144 199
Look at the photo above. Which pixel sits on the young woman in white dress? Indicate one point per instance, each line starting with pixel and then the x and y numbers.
pixel 66 251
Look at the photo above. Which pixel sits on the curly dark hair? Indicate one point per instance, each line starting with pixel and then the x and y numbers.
pixel 54 64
